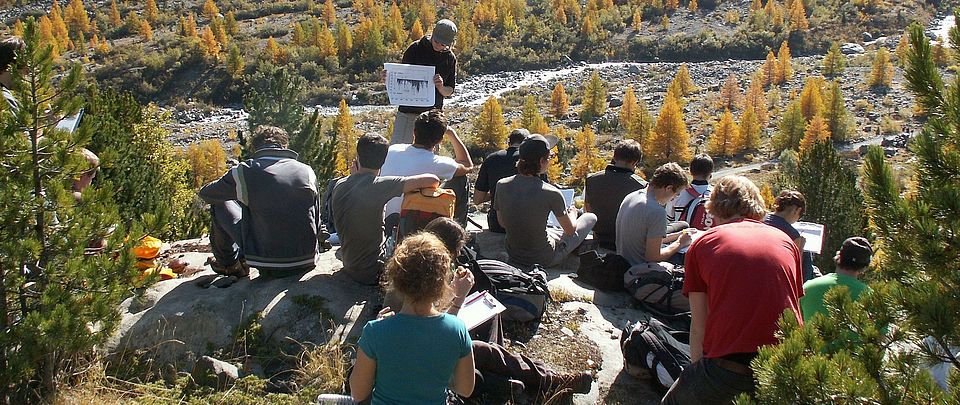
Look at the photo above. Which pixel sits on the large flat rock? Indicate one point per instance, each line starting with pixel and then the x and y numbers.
pixel 176 321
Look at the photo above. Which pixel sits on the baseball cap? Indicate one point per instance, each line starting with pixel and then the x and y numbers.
pixel 445 32
pixel 537 146
pixel 517 135
pixel 855 252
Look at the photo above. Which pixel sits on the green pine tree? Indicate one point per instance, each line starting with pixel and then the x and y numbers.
pixel 594 98
pixel 838 118
pixel 791 128
pixel 58 303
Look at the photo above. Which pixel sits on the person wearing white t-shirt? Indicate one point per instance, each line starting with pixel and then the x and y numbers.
pixel 701 169
pixel 419 158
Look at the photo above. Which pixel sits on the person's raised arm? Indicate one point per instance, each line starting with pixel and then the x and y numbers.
pixel 801 242
pixel 444 90
pixel 420 181
pixel 463 382
pixel 698 324
pixel 460 154
pixel 462 284
pixel 362 377
pixel 567 221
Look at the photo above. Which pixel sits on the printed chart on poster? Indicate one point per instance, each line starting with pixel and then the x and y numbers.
pixel 410 85
pixel 813 233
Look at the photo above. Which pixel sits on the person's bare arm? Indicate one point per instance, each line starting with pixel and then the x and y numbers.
pixel 462 283
pixel 463 382
pixel 567 221
pixel 460 153
pixel 698 324
pixel 361 379
pixel 479 197
pixel 444 90
pixel 801 242
pixel 656 252
pixel 420 181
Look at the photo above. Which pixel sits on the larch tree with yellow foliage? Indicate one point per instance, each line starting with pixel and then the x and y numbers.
pixel 811 98
pixel 637 22
pixel 749 130
pixel 784 63
pixel 61 34
pixel 640 124
pixel 271 50
pixel 150 11
pixel 769 69
pixel 115 18
pixel 325 43
pixel 209 44
pixel 882 73
pixel 559 102
pixel 530 117
pixel 670 139
pixel 76 17
pixel 594 98
pixel 693 6
pixel 756 5
pixel 628 109
pixel 146 31
pixel 730 97
pixel 47 38
pixel 347 136
pixel 756 99
pixel 587 159
pixel 672 4
pixel 798 17
pixel 329 12
pixel 817 131
pixel 725 140
pixel 682 81
pixel 210 10
pixel 416 30
pixel 489 128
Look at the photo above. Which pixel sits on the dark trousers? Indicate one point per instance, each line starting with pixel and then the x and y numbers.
pixel 704 382
pixel 495 365
pixel 225 233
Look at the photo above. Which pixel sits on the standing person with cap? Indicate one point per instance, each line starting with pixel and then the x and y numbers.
pixel 497 166
pixel 433 50
pixel 524 202
pixel 853 257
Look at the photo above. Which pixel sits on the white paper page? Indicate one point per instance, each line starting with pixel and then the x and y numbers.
pixel 567 202
pixel 70 123
pixel 410 85
pixel 694 235
pixel 813 233
pixel 478 308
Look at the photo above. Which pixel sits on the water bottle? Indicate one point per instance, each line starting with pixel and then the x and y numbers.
pixel 335 399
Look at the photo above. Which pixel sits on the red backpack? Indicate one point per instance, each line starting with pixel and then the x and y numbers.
pixel 695 213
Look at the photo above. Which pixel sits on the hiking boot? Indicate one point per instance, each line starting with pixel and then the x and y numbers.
pixel 577 383
pixel 238 268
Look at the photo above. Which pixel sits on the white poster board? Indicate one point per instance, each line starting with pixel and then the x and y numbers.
pixel 567 202
pixel 813 233
pixel 410 85
pixel 478 308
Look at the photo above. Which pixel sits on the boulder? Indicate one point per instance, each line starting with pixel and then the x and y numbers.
pixel 615 102
pixel 218 374
pixel 177 321
pixel 851 49
pixel 890 152
pixel 867 37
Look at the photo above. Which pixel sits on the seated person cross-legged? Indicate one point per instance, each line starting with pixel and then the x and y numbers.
pixel 642 221
pixel 358 202
pixel 524 202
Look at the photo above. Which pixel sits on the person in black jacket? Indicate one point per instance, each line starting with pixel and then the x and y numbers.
pixel 434 50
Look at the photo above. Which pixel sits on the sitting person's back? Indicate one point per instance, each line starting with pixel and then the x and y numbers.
pixel 853 257
pixel 418 158
pixel 498 166
pixel 642 222
pixel 414 356
pixel 682 207
pixel 524 202
pixel 358 202
pixel 265 210
pixel 604 191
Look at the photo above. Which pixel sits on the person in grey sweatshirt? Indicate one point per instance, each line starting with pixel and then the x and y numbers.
pixel 265 211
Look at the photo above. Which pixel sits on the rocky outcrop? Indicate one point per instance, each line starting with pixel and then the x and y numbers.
pixel 176 321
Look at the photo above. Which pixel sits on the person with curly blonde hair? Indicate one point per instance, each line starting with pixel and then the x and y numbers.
pixel 415 355
pixel 747 273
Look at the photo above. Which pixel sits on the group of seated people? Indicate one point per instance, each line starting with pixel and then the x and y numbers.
pixel 747 271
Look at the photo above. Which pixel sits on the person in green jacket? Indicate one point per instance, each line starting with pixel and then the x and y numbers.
pixel 853 257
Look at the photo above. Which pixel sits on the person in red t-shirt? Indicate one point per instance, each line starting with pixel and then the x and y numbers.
pixel 747 274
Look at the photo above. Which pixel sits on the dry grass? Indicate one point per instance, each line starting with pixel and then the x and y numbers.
pixel 561 295
pixel 323 368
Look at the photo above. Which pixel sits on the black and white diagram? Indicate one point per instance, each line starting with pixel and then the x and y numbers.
pixel 410 85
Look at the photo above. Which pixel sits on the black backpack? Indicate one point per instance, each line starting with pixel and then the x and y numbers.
pixel 653 349
pixel 603 272
pixel 525 294
pixel 658 288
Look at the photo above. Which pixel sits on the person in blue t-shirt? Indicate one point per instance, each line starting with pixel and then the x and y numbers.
pixel 416 355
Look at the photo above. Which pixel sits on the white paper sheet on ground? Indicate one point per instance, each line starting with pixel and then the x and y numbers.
pixel 478 308
pixel 410 85
pixel 71 123
pixel 694 235
pixel 567 202
pixel 813 233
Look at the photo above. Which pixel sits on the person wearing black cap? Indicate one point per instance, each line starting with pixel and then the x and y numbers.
pixel 433 50
pixel 497 166
pixel 853 257
pixel 524 202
